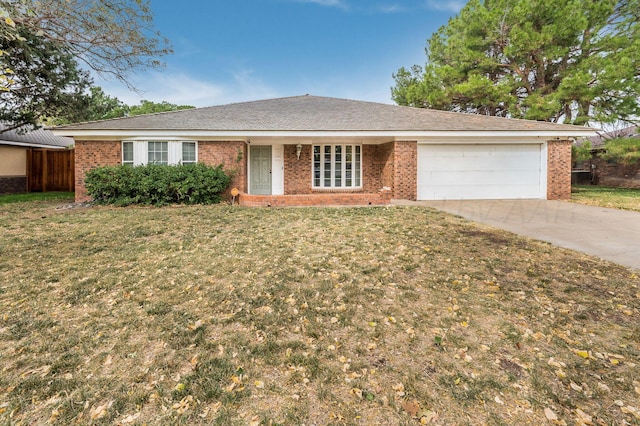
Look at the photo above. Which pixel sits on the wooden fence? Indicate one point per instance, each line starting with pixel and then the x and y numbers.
pixel 50 170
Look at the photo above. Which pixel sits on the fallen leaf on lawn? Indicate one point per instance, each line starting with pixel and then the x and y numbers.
pixel 211 409
pixel 399 388
pixel 427 417
pixel 195 325
pixel 98 412
pixel 259 384
pixel 411 407
pixel 552 362
pixel 194 360
pixel 263 310
pixel 357 392
pixel 183 405
pixel 498 400
pixel 631 410
pixel 582 354
pixel 583 418
pixel 129 419
pixel 550 415
pixel 576 387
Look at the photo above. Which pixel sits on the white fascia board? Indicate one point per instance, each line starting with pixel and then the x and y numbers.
pixel 243 135
pixel 31 145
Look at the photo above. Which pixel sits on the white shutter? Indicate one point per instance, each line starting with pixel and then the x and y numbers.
pixel 140 153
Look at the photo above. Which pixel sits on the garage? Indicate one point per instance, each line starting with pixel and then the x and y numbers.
pixel 479 171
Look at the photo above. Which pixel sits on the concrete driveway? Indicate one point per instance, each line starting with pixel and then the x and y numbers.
pixel 606 233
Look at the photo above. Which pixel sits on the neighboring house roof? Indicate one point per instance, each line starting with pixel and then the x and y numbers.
pixel 40 138
pixel 312 115
pixel 599 140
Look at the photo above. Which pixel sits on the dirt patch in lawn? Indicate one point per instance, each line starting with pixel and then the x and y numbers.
pixel 221 315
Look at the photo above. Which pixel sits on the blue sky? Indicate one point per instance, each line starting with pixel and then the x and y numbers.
pixel 238 50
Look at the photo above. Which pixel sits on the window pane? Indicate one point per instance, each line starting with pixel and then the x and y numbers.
pixel 327 166
pixel 348 166
pixel 357 166
pixel 188 152
pixel 338 166
pixel 316 165
pixel 158 153
pixel 127 152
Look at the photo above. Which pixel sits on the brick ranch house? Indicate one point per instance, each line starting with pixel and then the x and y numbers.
pixel 310 150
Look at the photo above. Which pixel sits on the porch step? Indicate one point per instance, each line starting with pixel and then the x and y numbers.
pixel 318 199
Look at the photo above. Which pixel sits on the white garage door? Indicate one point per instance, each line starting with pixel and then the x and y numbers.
pixel 467 172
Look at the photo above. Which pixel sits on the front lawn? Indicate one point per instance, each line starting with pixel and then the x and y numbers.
pixel 223 315
pixel 617 198
pixel 37 196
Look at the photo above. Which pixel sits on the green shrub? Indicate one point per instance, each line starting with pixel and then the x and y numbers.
pixel 157 184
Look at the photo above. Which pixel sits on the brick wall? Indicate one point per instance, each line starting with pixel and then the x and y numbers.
pixel 387 157
pixel 231 154
pixel 615 174
pixel 374 159
pixel 405 170
pixel 91 154
pixel 558 170
pixel 13 184
pixel 297 173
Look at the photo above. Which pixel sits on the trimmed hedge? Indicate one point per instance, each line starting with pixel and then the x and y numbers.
pixel 157 184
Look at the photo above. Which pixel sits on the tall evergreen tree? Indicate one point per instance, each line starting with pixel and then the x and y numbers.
pixel 571 61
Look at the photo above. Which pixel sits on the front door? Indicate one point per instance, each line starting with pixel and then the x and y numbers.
pixel 260 170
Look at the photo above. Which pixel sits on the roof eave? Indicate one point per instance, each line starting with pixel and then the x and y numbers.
pixel 31 145
pixel 93 134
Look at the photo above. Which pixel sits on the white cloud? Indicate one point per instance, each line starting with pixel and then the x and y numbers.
pixel 330 3
pixel 183 89
pixel 392 8
pixel 446 5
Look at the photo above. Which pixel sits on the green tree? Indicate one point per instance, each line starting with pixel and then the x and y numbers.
pixel 91 106
pixel 97 105
pixel 112 37
pixel 40 79
pixel 571 61
pixel 47 38
pixel 622 150
pixel 148 107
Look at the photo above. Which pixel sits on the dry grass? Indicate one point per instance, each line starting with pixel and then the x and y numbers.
pixel 220 315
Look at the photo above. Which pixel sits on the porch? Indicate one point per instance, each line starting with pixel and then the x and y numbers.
pixel 381 198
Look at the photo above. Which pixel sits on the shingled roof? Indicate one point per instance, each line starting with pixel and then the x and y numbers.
pixel 315 113
pixel 39 138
